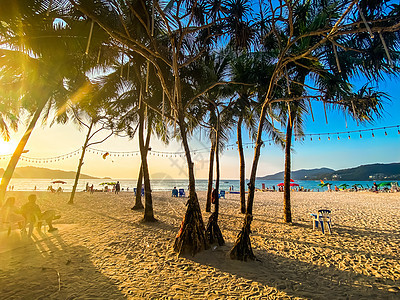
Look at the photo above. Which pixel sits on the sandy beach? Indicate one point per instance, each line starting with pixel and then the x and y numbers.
pixel 103 251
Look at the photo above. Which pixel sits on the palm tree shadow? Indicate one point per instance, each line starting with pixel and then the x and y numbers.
pixel 47 267
pixel 296 278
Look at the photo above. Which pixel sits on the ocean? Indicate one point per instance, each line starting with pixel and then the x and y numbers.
pixel 25 184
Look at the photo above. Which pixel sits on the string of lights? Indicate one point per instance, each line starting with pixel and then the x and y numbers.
pixel 337 134
pixel 106 153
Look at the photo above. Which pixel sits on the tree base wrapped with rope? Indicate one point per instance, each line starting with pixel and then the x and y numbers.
pixel 213 233
pixel 242 248
pixel 191 236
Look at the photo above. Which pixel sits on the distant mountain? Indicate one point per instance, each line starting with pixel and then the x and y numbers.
pixel 368 172
pixel 364 172
pixel 35 172
pixel 302 174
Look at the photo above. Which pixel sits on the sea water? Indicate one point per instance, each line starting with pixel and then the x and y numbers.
pixel 26 184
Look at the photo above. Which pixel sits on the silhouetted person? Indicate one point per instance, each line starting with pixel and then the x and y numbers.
pixel 117 187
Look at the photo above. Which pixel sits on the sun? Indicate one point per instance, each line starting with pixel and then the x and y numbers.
pixel 7 147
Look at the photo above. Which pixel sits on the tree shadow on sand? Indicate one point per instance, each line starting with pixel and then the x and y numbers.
pixel 297 278
pixel 44 267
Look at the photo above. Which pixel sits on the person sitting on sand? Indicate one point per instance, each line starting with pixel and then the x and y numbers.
pixel 33 215
pixel 10 214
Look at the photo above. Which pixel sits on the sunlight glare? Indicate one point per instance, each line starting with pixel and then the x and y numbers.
pixel 7 147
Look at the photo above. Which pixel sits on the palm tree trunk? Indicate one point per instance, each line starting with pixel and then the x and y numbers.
pixel 18 152
pixel 242 167
pixel 191 236
pixel 210 177
pixel 148 203
pixel 242 248
pixel 286 190
pixel 213 232
pixel 138 197
pixel 78 172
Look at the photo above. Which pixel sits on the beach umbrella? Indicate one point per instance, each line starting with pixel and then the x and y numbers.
pixel 58 181
pixel 294 184
pixel 386 183
pixel 108 183
pixel 323 184
pixel 343 185
pixel 291 180
pixel 280 184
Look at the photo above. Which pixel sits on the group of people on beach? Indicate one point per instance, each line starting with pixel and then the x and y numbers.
pixel 116 188
pixel 29 215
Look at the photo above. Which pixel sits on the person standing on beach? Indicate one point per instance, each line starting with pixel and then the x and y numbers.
pixel 117 187
pixel 214 196
pixel 91 189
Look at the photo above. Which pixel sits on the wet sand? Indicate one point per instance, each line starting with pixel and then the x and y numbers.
pixel 103 251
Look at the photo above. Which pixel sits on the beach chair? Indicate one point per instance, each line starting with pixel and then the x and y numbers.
pixel 222 194
pixel 323 218
pixel 181 193
pixel 135 190
pixel 174 193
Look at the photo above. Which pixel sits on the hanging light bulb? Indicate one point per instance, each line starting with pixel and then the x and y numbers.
pixel 329 138
pixel 349 136
pixel 311 138
pixel 319 138
pixel 338 137
pixel 360 136
pixel 385 133
pixel 373 135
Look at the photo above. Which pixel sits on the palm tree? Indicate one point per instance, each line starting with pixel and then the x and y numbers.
pixel 170 42
pixel 332 24
pixel 42 64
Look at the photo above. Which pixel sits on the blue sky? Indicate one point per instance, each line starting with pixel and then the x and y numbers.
pixel 345 153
